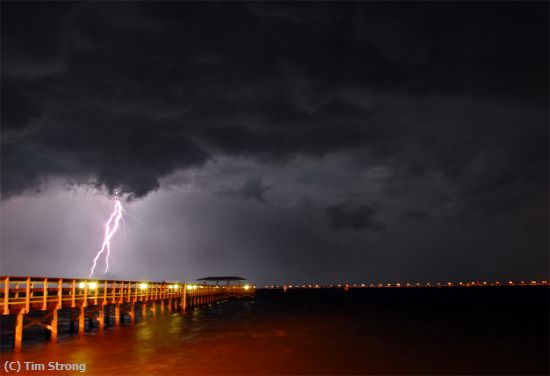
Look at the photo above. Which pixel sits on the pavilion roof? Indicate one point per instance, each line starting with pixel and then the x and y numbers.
pixel 222 278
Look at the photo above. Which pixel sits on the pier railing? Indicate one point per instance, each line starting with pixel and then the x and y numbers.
pixel 91 298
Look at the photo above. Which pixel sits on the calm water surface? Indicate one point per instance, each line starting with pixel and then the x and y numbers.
pixel 374 331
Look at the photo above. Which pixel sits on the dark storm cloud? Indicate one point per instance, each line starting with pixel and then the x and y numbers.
pixel 18 110
pixel 35 38
pixel 252 189
pixel 436 108
pixel 416 215
pixel 266 80
pixel 352 217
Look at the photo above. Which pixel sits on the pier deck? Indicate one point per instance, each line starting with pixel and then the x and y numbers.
pixel 20 296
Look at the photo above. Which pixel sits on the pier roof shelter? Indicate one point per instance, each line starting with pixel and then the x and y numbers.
pixel 223 280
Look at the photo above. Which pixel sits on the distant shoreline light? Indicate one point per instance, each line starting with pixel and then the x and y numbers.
pixel 410 285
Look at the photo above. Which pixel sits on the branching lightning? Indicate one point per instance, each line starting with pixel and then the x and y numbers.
pixel 111 228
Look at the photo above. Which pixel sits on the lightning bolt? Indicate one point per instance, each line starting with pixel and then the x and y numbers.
pixel 111 228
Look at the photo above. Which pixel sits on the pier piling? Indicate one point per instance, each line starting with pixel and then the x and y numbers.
pixel 97 300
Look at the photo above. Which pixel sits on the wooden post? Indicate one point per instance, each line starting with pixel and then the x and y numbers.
pixel 85 299
pixel 154 307
pixel 59 294
pixel 113 291
pixel 184 297
pixel 117 315
pixel 6 295
pixel 162 306
pixel 19 331
pixel 132 314
pixel 143 310
pixel 81 320
pixel 101 317
pixel 96 292
pixel 28 295
pixel 45 295
pixel 170 305
pixel 73 294
pixel 121 293
pixel 53 327
pixel 104 293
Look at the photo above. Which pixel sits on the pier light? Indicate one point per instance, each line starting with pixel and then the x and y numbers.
pixel 81 285
pixel 143 286
pixel 510 282
pixel 246 287
pixel 92 285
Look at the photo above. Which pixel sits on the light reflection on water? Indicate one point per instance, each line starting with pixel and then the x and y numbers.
pixel 325 333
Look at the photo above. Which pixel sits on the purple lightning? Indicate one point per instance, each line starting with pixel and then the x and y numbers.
pixel 111 228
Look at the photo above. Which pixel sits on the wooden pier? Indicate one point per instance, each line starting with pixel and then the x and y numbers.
pixel 95 300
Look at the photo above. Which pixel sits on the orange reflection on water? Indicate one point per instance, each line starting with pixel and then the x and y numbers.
pixel 289 333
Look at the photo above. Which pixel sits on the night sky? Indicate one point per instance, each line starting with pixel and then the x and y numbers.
pixel 284 142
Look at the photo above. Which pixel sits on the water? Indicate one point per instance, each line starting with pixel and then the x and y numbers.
pixel 486 330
